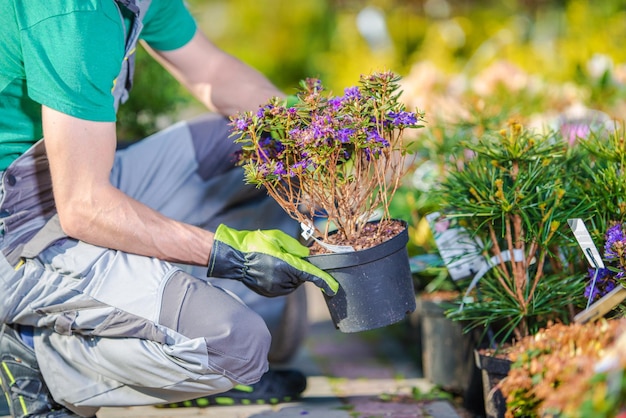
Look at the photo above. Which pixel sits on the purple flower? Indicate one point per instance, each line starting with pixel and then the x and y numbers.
pixel 322 127
pixel 270 148
pixel 295 133
pixel 402 118
pixel 242 123
pixel 303 137
pixel 374 137
pixel 300 164
pixel 314 85
pixel 604 284
pixel 614 242
pixel 265 141
pixel 615 256
pixel 335 103
pixel 352 93
pixel 263 169
pixel 261 112
pixel 279 170
pixel 344 135
pixel 298 167
pixel 279 147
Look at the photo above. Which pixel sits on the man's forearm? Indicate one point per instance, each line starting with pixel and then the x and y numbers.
pixel 220 81
pixel 125 224
pixel 241 89
pixel 90 208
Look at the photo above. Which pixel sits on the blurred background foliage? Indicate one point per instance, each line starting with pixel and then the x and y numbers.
pixel 337 40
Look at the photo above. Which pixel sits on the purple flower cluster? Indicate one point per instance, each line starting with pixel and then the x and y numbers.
pixel 352 93
pixel 329 131
pixel 317 150
pixel 615 257
pixel 615 244
pixel 604 284
pixel 403 118
pixel 242 123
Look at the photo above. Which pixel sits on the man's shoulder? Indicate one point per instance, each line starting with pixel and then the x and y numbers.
pixel 31 13
pixel 168 24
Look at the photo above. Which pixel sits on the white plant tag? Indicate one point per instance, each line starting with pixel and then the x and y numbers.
pixel 307 233
pixel 583 237
pixel 461 253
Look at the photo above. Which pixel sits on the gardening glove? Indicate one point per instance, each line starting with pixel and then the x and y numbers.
pixel 269 262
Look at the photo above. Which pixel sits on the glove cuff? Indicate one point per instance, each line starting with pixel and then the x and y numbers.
pixel 225 262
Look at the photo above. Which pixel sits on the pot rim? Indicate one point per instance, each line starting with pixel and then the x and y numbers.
pixel 367 255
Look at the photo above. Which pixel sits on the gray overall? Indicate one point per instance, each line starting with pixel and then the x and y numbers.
pixel 117 329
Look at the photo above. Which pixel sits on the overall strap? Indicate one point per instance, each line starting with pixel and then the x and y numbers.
pixel 124 81
pixel 130 5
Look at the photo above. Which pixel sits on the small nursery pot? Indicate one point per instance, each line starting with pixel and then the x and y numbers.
pixel 447 350
pixel 375 285
pixel 493 369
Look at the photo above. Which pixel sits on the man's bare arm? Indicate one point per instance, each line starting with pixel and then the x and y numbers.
pixel 221 82
pixel 81 156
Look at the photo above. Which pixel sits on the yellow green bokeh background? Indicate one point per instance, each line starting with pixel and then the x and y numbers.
pixel 562 41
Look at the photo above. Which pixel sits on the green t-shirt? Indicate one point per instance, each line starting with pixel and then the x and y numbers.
pixel 65 54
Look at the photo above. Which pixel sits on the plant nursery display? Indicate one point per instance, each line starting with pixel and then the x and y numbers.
pixel 338 161
pixel 514 197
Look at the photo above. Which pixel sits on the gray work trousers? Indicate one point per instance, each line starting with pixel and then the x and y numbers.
pixel 117 329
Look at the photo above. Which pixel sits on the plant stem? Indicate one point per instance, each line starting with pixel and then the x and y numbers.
pixel 503 269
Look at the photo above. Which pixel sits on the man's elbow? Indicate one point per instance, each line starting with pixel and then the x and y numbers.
pixel 73 222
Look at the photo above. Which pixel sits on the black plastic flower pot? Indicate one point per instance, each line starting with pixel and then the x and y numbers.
pixel 375 285
pixel 448 351
pixel 493 370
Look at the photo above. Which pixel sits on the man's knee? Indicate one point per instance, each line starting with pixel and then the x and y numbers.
pixel 237 338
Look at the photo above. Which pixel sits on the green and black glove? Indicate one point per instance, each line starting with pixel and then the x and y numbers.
pixel 269 262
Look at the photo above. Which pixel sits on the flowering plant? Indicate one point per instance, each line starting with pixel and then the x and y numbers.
pixel 615 256
pixel 334 157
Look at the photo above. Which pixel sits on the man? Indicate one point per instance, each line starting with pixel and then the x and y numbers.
pixel 93 240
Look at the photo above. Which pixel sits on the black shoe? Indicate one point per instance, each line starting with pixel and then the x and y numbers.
pixel 275 386
pixel 22 382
